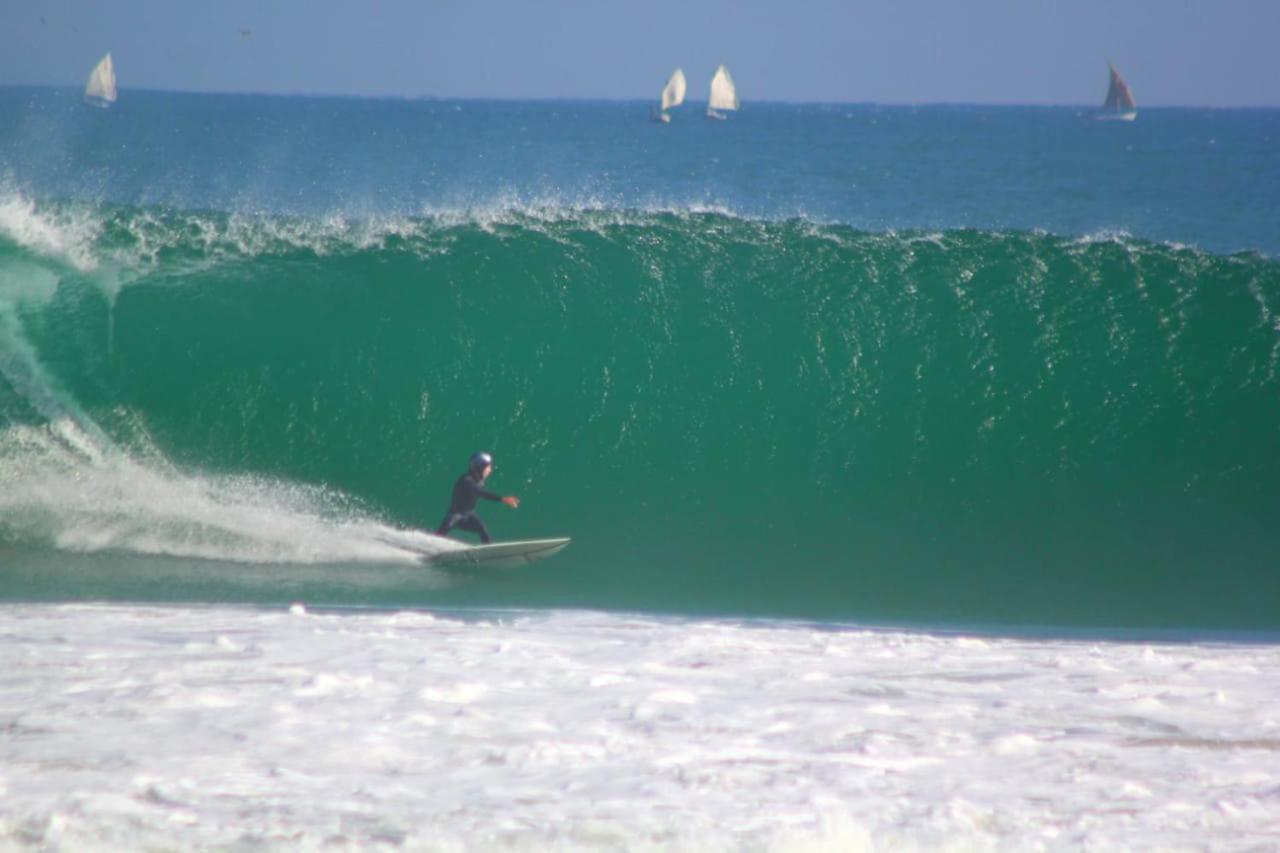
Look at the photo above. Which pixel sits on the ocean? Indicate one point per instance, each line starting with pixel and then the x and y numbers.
pixel 922 466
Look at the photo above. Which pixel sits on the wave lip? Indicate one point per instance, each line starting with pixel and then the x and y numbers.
pixel 87 237
pixel 66 232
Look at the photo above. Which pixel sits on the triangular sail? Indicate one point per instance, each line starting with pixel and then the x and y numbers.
pixel 673 92
pixel 102 82
pixel 1119 97
pixel 723 94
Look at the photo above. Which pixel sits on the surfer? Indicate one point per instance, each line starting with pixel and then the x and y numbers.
pixel 467 492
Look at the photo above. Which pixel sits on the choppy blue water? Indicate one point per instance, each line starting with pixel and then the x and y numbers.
pixel 1202 177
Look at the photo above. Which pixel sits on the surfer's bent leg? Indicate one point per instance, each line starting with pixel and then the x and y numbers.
pixel 450 520
pixel 472 522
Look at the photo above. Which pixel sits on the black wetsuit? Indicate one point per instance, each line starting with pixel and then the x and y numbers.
pixel 467 492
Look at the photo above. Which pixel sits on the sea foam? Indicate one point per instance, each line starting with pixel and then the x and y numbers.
pixel 577 730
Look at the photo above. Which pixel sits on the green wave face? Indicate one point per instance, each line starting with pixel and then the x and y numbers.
pixel 727 415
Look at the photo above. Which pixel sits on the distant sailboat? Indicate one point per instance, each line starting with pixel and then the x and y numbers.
pixel 101 88
pixel 672 95
pixel 724 96
pixel 1120 105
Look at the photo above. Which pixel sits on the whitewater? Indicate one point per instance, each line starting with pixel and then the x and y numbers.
pixel 920 465
pixel 243 729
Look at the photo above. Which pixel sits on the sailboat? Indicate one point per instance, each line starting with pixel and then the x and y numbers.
pixel 101 88
pixel 724 96
pixel 672 95
pixel 1120 105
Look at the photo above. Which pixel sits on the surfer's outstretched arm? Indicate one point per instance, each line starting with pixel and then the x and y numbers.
pixel 510 500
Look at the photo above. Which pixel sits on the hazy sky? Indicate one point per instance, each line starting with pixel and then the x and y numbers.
pixel 1209 52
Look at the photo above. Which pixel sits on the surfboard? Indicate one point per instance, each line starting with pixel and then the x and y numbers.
pixel 499 555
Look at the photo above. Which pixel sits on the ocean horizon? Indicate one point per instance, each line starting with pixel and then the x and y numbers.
pixel 77 90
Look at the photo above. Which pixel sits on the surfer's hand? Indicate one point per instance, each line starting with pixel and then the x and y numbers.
pixel 511 501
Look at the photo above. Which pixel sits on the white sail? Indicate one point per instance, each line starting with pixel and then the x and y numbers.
pixel 673 92
pixel 723 94
pixel 101 88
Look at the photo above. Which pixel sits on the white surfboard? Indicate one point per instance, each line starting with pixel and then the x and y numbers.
pixel 499 555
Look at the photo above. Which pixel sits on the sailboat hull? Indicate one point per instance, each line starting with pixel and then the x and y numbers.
pixel 1129 116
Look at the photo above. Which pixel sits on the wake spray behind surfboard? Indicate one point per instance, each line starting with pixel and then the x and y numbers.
pixel 72 483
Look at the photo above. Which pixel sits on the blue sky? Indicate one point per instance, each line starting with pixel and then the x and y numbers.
pixel 1173 52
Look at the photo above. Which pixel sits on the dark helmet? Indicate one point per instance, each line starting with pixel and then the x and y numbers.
pixel 480 461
